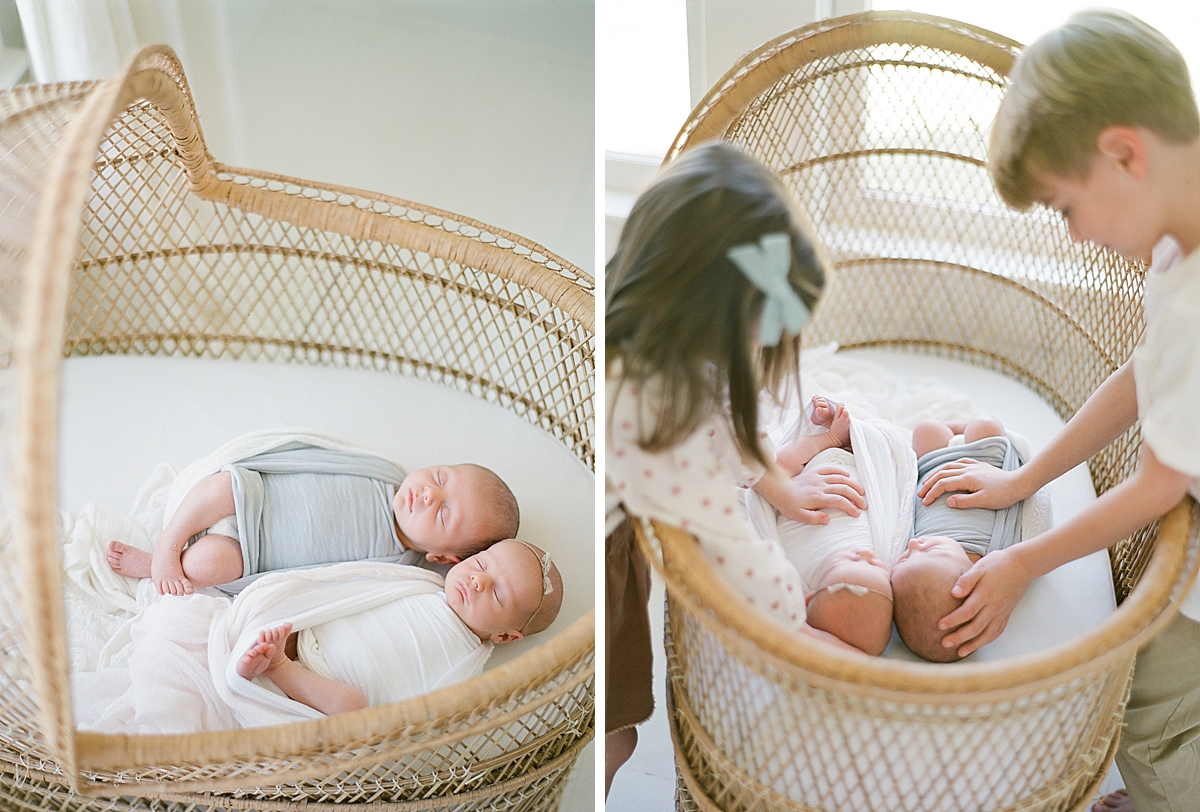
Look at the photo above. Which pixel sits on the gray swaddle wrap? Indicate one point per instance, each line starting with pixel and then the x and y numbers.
pixel 301 505
pixel 979 530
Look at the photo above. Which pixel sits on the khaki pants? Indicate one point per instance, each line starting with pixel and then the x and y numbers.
pixel 1159 755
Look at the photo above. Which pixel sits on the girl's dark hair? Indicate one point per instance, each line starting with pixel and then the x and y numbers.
pixel 680 313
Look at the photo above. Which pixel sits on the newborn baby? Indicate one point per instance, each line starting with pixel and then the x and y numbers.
pixel 949 540
pixel 302 505
pixel 849 589
pixel 497 596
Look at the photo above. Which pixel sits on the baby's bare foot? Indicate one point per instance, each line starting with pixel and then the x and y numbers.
pixel 823 411
pixel 267 651
pixel 126 560
pixel 1118 801
pixel 167 571
pixel 256 660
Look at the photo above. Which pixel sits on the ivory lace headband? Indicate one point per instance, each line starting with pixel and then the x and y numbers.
pixel 547 586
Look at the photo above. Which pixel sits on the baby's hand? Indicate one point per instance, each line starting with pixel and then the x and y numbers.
pixel 266 653
pixel 992 587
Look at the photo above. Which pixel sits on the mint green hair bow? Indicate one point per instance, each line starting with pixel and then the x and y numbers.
pixel 766 264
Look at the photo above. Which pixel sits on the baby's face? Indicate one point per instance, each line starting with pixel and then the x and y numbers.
pixel 439 513
pixel 859 567
pixel 932 551
pixel 495 592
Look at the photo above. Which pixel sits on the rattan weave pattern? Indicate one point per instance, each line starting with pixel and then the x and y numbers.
pixel 876 123
pixel 142 244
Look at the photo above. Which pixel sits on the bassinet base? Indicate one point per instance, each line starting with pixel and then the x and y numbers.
pixel 536 791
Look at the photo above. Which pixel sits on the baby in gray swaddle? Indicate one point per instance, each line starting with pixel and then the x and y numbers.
pixel 948 540
pixel 301 505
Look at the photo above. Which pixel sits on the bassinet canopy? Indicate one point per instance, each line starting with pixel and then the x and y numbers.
pixel 876 123
pixel 121 235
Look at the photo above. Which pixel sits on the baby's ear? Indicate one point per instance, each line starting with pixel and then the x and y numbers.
pixel 509 636
pixel 442 558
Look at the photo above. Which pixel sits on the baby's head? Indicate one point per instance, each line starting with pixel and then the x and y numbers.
pixel 450 512
pixel 509 590
pixel 853 601
pixel 921 582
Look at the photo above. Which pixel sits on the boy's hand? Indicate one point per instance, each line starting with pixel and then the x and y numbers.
pixel 986 485
pixel 992 587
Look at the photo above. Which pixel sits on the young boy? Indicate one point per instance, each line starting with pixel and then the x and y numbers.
pixel 499 595
pixel 1100 123
pixel 302 518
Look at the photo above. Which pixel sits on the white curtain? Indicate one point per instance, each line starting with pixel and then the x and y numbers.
pixel 71 40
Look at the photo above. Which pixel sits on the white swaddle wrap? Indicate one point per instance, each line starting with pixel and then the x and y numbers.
pixel 396 650
pixel 182 672
pixel 886 467
pixel 808 546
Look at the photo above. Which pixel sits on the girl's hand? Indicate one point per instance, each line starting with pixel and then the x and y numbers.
pixel 986 486
pixel 992 587
pixel 815 490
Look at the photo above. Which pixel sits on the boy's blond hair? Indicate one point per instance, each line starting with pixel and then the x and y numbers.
pixel 1103 68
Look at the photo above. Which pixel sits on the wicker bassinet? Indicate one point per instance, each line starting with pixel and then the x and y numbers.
pixel 122 235
pixel 876 123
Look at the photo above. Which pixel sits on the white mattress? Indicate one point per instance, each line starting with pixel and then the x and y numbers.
pixel 122 416
pixel 1072 598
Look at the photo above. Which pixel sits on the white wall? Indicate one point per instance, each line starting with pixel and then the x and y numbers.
pixel 719 33
pixel 482 107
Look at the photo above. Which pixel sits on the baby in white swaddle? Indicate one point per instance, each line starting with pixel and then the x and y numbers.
pixel 849 591
pixel 383 654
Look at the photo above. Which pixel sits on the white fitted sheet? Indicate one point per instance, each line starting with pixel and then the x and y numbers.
pixel 121 416
pixel 1071 599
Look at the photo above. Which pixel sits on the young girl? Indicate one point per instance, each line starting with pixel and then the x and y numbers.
pixel 714 276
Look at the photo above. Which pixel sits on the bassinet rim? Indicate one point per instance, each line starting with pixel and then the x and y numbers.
pixel 755 636
pixel 754 71
pixel 108 751
pixel 41 339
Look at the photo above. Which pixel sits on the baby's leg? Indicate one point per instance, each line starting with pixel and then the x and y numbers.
pixel 209 501
pixel 266 652
pixel 930 435
pixel 980 426
pixel 212 559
